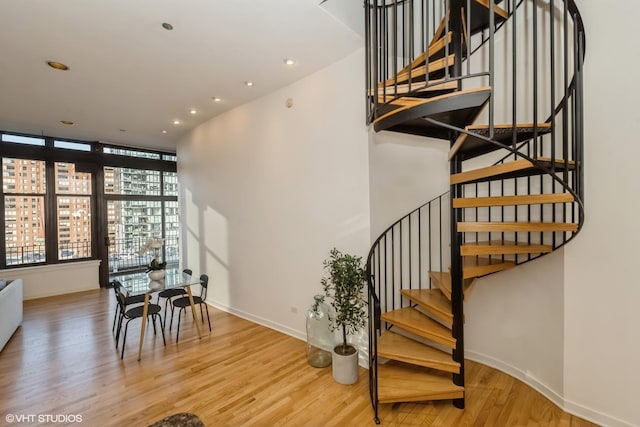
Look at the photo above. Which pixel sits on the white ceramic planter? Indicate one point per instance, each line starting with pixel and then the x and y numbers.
pixel 156 274
pixel 345 368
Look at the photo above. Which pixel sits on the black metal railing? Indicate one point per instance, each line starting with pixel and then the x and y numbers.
pixel 124 256
pixel 398 32
pixel 31 254
pixel 35 254
pixel 540 79
pixel 401 258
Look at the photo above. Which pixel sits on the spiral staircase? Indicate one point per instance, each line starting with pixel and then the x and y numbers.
pixel 501 82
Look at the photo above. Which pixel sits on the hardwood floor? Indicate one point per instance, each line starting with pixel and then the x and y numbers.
pixel 63 361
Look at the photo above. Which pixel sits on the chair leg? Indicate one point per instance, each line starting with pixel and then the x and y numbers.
pixel 124 338
pixel 201 314
pixel 166 302
pixel 206 307
pixel 153 320
pixel 171 323
pixel 119 327
pixel 179 316
pixel 161 329
pixel 115 316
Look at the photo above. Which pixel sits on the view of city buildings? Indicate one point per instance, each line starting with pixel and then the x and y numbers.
pixel 24 187
pixel 133 220
pixel 23 183
pixel 140 204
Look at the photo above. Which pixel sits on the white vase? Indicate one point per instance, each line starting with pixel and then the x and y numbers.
pixel 156 274
pixel 345 367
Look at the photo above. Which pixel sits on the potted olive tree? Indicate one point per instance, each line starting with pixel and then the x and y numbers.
pixel 344 288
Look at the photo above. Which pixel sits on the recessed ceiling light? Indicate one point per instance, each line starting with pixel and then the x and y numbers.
pixel 289 61
pixel 176 122
pixel 248 83
pixel 57 65
pixel 164 131
pixel 193 111
pixel 167 26
pixel 67 122
pixel 216 99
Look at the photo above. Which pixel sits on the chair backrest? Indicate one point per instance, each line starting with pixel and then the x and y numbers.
pixel 188 271
pixel 116 285
pixel 120 297
pixel 204 284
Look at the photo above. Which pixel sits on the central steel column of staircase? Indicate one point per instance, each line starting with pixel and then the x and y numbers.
pixel 516 185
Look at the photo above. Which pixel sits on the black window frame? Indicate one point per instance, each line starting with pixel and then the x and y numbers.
pixel 92 161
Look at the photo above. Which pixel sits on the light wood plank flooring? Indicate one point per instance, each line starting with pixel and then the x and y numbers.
pixel 63 360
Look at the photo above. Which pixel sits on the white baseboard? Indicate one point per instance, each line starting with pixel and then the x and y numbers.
pixel 362 361
pixel 594 416
pixel 260 321
pixel 573 408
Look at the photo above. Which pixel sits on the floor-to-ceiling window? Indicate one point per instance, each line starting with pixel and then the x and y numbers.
pixel 65 201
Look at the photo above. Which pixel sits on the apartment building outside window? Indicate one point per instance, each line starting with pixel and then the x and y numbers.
pixel 24 188
pixel 74 200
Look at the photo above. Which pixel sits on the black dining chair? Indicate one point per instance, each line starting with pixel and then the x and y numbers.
pixel 136 312
pixel 129 300
pixel 169 294
pixel 183 302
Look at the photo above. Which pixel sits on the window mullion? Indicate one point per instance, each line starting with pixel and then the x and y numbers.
pixel 51 217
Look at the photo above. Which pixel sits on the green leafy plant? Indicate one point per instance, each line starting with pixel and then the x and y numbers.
pixel 344 287
pixel 156 265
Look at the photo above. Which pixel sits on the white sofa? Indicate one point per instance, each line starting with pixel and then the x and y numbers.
pixel 10 310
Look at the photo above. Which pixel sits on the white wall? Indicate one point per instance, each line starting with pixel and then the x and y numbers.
pixel 405 171
pixel 602 320
pixel 268 190
pixel 514 322
pixel 56 279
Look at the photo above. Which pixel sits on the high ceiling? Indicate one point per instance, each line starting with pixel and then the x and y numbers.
pixel 129 78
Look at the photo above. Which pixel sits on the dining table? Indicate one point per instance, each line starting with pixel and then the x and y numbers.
pixel 139 284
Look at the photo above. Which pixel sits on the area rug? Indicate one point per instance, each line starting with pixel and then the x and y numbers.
pixel 183 419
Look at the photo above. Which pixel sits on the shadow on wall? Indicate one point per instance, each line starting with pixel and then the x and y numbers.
pixel 207 247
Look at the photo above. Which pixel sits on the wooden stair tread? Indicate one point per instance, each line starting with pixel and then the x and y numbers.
pixel 476 266
pixel 416 89
pixel 480 227
pixel 435 68
pixel 433 301
pixel 420 324
pixel 516 168
pixel 435 47
pixel 406 383
pixel 502 133
pixel 507 127
pixel 496 9
pixel 500 247
pixel 398 347
pixel 533 199
pixel 442 280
